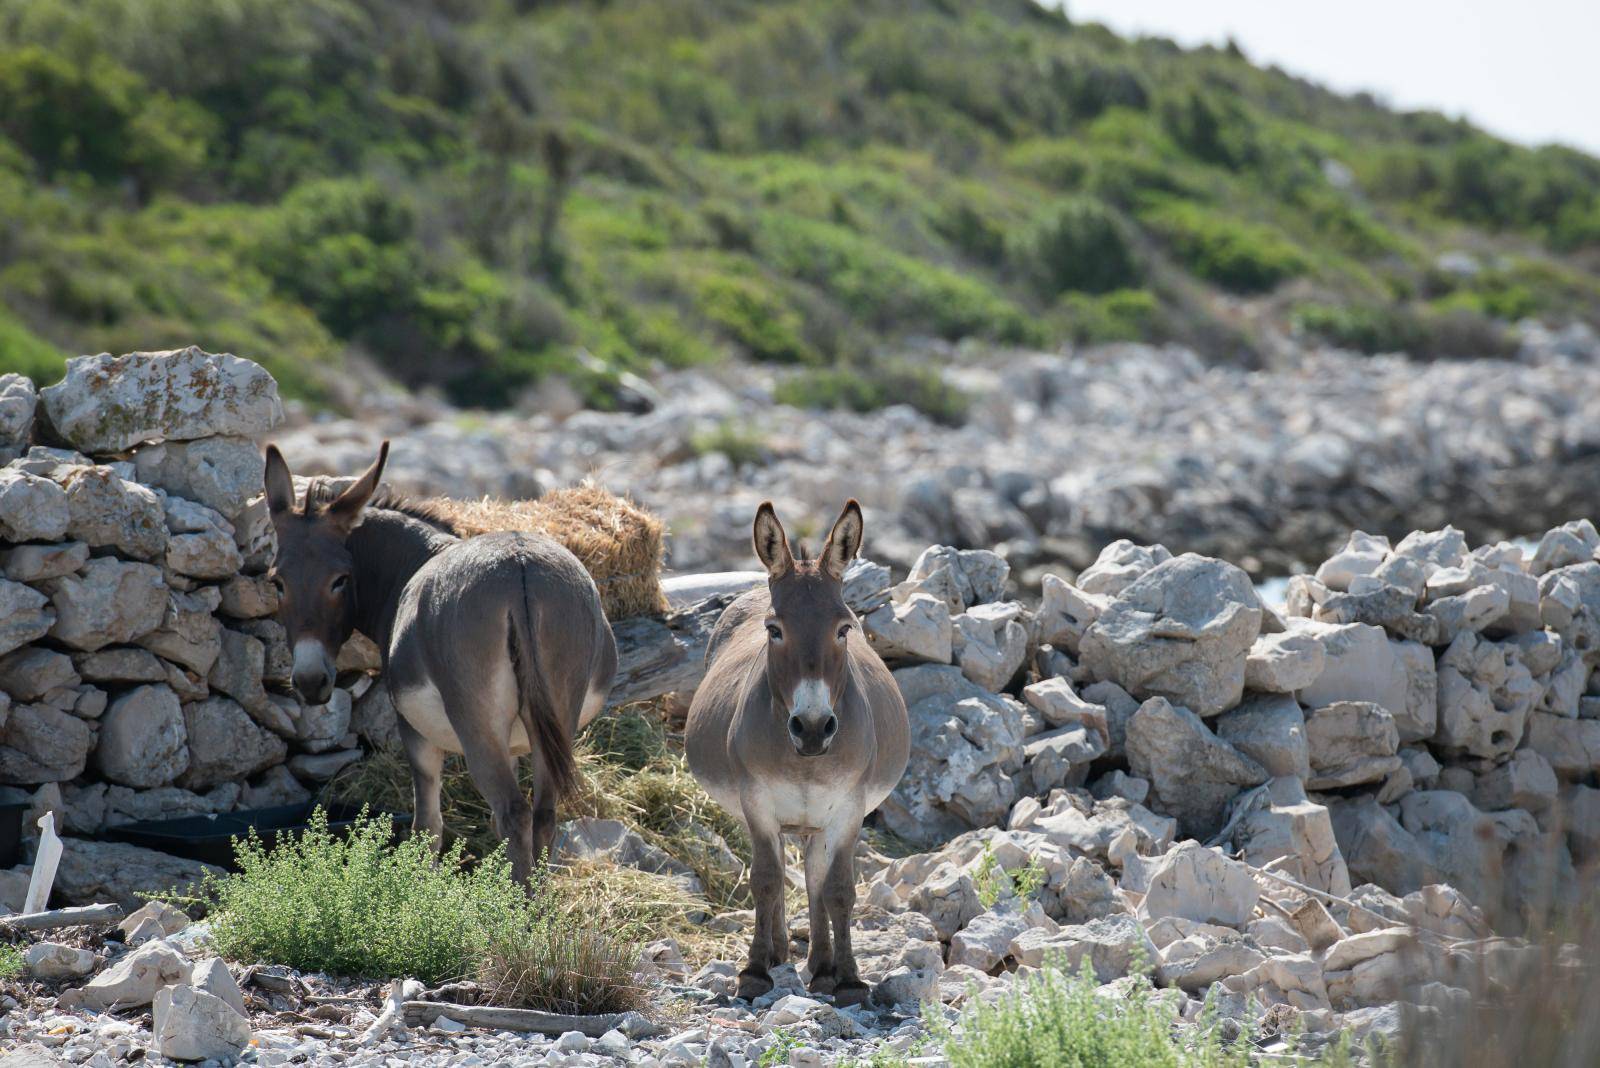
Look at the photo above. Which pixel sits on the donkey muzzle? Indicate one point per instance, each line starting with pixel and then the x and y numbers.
pixel 313 672
pixel 812 735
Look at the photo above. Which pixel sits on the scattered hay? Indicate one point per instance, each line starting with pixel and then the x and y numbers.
pixel 618 542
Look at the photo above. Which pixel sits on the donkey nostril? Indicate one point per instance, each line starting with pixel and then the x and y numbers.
pixel 830 727
pixel 795 726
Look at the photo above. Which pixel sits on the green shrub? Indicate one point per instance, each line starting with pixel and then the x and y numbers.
pixel 1121 315
pixel 1240 256
pixel 876 386
pixel 754 316
pixel 11 964
pixel 23 353
pixel 357 905
pixel 1055 1018
pixel 738 442
pixel 1078 245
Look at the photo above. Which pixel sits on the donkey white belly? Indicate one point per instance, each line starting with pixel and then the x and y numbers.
pixel 802 808
pixel 423 708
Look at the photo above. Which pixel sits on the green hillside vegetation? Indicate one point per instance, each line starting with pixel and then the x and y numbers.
pixel 475 193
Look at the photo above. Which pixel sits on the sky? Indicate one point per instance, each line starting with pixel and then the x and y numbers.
pixel 1526 71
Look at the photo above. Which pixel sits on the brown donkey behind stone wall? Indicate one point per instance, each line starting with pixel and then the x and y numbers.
pixel 493 646
pixel 800 729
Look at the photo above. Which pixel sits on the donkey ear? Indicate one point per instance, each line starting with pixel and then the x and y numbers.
pixel 280 484
pixel 844 541
pixel 772 544
pixel 345 511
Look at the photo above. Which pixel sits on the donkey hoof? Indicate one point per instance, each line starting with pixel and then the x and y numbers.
pixel 753 984
pixel 825 982
pixel 850 992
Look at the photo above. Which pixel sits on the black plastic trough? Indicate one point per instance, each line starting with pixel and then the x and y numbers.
pixel 210 838
pixel 11 813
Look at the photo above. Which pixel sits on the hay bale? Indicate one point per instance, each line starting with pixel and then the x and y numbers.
pixel 618 542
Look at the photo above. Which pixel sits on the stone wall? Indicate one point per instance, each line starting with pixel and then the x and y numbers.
pixel 141 673
pixel 1417 713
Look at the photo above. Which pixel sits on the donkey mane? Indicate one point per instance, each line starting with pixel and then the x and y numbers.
pixel 322 492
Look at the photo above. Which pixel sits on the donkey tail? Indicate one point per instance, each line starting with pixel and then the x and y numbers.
pixel 536 705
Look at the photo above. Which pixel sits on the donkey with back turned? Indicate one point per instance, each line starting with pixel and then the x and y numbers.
pixel 800 729
pixel 493 646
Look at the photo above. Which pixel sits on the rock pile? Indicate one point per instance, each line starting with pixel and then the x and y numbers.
pixel 1416 714
pixel 141 673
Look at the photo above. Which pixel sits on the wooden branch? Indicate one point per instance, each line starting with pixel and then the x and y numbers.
pixel 51 919
pixel 423 1013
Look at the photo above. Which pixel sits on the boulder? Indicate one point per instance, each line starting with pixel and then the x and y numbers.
pixel 1525 781
pixel 1059 704
pixel 105 511
pixel 1283 662
pixel 1485 696
pixel 1061 757
pixel 917 628
pixel 1200 884
pixel 966 748
pixel 1180 631
pixel 223 473
pixel 238 670
pixel 1119 565
pixel 1377 849
pixel 1570 746
pixel 985 941
pixel 1192 773
pixel 1568 544
pixel 959 577
pixel 133 980
pixel 93 871
pixel 110 403
pixel 109 602
pixel 120 664
pixel 1065 612
pixel 152 920
pixel 249 597
pixel 1434 549
pixel 212 976
pixel 200 542
pixel 28 674
pixel 41 744
pixel 35 563
pixel 989 642
pixel 31 508
pixel 323 727
pixel 188 634
pixel 1193 963
pixel 1113 946
pixel 589 838
pixel 1278 823
pixel 190 1024
pixel 1360 664
pixel 18 400
pixel 1351 742
pixel 143 739
pixel 24 616
pixel 1362 554
pixel 1271 730
pixel 54 961
pixel 225 744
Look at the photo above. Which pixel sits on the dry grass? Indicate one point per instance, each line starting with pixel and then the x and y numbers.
pixel 618 542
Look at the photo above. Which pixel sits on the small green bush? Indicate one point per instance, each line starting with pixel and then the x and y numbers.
pixel 1057 1019
pixel 10 962
pixel 360 906
pixel 1121 315
pixel 876 386
pixel 1079 245
pixel 1240 256
pixel 25 354
pixel 738 442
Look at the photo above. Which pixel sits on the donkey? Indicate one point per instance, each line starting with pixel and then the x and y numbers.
pixel 493 646
pixel 800 729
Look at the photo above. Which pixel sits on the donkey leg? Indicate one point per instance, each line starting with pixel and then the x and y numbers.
pixel 544 813
pixel 819 960
pixel 840 890
pixel 427 767
pixel 494 773
pixel 766 885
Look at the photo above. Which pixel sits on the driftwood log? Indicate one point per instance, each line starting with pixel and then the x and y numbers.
pixel 667 654
pixel 423 1013
pixel 71 917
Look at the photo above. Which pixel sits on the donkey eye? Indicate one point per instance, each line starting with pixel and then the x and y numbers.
pixel 775 632
pixel 844 631
pixel 339 583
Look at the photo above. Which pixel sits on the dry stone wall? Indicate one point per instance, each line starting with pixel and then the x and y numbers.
pixel 141 673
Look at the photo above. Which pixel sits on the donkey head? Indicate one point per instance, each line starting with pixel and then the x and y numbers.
pixel 808 627
pixel 314 572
